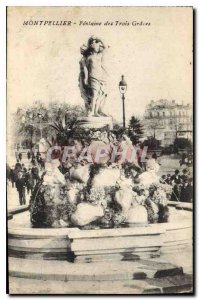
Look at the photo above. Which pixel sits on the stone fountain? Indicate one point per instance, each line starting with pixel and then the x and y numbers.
pixel 96 205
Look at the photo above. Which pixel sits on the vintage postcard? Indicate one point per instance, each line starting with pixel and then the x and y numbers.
pixel 100 150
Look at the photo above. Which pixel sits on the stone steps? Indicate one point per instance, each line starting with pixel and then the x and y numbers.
pixel 107 261
pixel 102 271
pixel 166 285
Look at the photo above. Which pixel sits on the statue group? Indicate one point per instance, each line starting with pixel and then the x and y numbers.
pixel 92 79
pixel 90 193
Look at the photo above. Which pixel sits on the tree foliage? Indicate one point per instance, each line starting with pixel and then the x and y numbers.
pixel 152 143
pixel 182 144
pixel 135 130
pixel 44 120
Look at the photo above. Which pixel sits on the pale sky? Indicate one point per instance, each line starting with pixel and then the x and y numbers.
pixel 43 61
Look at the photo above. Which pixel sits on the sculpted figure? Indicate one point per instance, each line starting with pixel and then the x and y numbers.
pixel 92 77
pixel 150 175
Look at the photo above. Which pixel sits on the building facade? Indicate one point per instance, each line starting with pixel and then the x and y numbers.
pixel 165 120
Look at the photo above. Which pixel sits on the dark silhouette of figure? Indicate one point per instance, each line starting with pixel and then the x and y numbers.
pixel 20 156
pixel 28 155
pixel 29 181
pixel 187 191
pixel 20 185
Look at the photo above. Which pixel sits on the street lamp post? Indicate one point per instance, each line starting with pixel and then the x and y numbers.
pixel 122 89
pixel 40 117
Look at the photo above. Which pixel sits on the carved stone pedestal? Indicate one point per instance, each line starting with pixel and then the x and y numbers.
pixel 95 122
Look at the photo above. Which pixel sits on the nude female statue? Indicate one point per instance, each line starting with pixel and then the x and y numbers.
pixel 92 77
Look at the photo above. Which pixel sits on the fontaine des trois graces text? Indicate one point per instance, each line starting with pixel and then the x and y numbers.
pixel 69 23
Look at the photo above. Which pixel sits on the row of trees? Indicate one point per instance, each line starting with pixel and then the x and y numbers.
pixel 41 120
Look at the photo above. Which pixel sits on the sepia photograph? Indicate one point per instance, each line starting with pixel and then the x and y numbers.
pixel 99 165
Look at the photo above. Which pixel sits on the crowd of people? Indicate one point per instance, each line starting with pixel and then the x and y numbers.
pixel 182 183
pixel 24 177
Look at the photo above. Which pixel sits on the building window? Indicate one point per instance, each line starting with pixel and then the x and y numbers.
pixel 163 113
pixel 150 114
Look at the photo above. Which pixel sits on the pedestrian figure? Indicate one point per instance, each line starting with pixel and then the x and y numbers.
pixel 28 155
pixel 182 160
pixel 8 173
pixel 29 181
pixel 168 179
pixel 12 176
pixel 41 164
pixel 38 155
pixel 176 178
pixel 163 179
pixel 187 190
pixel 184 175
pixel 18 166
pixel 20 185
pixel 20 156
pixel 176 183
pixel 35 174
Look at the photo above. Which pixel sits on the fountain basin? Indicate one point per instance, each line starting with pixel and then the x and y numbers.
pixel 74 244
pixel 137 260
